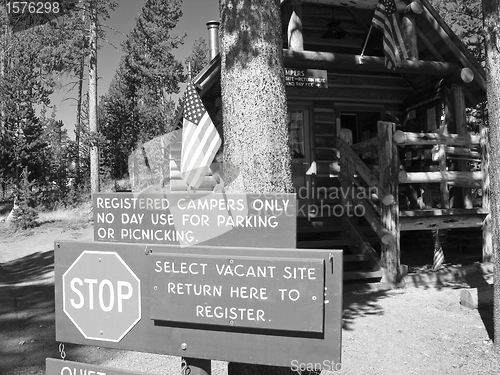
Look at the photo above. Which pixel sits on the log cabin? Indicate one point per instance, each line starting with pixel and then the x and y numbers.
pixel 378 155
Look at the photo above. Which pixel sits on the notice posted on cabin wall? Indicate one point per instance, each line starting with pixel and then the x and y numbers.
pixel 236 291
pixel 306 78
pixel 265 220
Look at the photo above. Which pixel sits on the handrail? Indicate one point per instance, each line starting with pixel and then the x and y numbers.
pixel 349 161
pixel 408 138
pixel 456 178
pixel 365 146
pixel 363 171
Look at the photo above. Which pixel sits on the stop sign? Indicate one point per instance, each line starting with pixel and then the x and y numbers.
pixel 101 296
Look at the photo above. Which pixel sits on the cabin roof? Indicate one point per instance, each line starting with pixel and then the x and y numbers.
pixel 351 24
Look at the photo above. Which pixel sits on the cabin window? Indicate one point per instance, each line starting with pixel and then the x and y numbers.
pixel 295 121
pixel 425 117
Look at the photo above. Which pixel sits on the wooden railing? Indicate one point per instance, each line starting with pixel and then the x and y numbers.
pixel 382 209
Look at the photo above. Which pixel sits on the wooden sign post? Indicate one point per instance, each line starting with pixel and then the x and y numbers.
pixel 174 274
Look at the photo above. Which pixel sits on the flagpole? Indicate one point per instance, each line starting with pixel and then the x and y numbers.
pixel 190 189
pixel 366 41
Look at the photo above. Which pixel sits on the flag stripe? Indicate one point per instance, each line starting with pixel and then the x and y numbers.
pixel 386 19
pixel 200 139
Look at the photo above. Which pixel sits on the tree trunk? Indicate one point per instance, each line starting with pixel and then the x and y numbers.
pixel 78 127
pixel 5 33
pixel 94 149
pixel 256 152
pixel 491 17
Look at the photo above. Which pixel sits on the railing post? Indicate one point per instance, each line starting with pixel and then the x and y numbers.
pixel 487 230
pixel 389 167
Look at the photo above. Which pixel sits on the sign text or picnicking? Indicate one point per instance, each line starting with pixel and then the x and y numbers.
pixel 193 219
pixel 306 78
pixel 267 293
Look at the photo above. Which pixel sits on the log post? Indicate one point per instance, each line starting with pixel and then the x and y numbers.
pixel 485 187
pixel 443 186
pixel 389 166
pixel 295 37
pixel 410 29
pixel 458 100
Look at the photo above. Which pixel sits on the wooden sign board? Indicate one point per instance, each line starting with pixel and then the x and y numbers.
pixel 60 367
pixel 315 78
pixel 213 219
pixel 252 292
pixel 193 297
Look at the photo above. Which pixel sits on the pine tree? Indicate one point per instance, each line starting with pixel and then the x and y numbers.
pixel 198 58
pixel 150 47
pixel 137 105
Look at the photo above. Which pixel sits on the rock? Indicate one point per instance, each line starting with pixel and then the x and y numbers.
pixel 476 297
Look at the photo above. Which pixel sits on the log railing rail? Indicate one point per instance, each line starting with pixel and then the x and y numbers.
pixel 382 212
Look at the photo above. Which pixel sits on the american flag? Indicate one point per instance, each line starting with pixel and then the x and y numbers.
pixel 387 20
pixel 200 140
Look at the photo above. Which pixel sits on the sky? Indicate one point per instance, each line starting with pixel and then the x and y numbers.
pixel 196 13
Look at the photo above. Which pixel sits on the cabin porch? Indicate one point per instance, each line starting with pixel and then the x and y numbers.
pixel 378 203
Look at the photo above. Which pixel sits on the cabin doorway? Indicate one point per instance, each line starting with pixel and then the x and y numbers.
pixel 362 122
pixel 298 120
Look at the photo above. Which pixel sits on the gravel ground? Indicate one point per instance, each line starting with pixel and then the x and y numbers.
pixel 421 329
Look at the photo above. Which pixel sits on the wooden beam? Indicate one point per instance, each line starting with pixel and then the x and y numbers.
pixel 441 212
pixel 408 138
pixel 440 222
pixel 430 46
pixel 295 37
pixel 461 76
pixel 457 178
pixel 329 60
pixel 360 4
pixel 452 41
pixel 409 28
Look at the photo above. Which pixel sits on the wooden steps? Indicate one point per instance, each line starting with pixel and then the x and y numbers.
pixel 360 260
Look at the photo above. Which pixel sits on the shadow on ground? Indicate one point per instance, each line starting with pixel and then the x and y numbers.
pixel 361 302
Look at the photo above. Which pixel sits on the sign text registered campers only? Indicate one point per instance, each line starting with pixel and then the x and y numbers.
pixel 213 219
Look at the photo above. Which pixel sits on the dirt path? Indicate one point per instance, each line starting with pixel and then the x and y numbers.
pixel 420 330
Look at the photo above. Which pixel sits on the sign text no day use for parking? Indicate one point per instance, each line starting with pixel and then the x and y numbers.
pixel 250 220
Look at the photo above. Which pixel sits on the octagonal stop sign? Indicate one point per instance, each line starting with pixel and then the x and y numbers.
pixel 101 296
